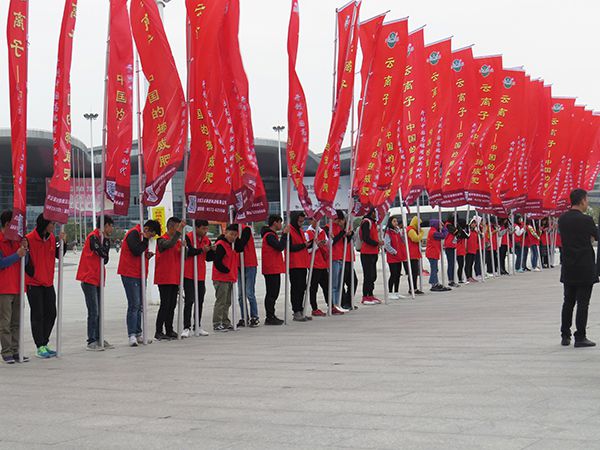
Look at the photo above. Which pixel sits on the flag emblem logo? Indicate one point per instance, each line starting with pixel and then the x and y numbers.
pixel 410 49
pixel 392 39
pixel 485 70
pixel 508 82
pixel 457 65
pixel 557 107
pixel 434 58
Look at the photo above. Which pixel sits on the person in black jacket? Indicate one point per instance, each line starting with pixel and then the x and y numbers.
pixel 273 264
pixel 578 270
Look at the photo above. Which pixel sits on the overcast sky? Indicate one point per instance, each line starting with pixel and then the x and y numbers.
pixel 553 39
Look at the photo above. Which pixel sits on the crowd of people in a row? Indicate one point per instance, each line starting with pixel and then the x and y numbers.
pixel 463 245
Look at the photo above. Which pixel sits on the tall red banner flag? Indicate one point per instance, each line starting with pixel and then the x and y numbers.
pixel 328 173
pixel 56 207
pixel 119 107
pixel 165 115
pixel 16 34
pixel 297 146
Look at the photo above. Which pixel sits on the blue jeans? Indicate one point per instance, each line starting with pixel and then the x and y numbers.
pixel 524 260
pixel 450 257
pixel 534 256
pixel 92 301
pixel 133 292
pixel 433 272
pixel 250 280
pixel 336 277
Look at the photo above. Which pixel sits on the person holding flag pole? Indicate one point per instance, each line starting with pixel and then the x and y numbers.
pixel 420 260
pixel 443 252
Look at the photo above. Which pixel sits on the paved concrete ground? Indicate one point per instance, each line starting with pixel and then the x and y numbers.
pixel 479 367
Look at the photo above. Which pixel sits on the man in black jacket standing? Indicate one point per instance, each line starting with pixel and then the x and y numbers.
pixel 578 270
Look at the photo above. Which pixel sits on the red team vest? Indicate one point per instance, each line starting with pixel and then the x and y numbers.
pixel 321 255
pixel 168 264
pixel 10 278
pixel 366 248
pixel 414 249
pixel 250 259
pixel 505 237
pixel 461 247
pixel 188 269
pixel 300 259
pixel 42 253
pixel 398 245
pixel 272 259
pixel 129 265
pixel 450 240
pixel 90 263
pixel 530 240
pixel 230 261
pixel 473 243
pixel 434 247
pixel 338 247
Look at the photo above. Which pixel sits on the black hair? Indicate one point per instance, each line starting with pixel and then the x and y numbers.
pixel 389 222
pixel 173 221
pixel 232 227
pixel 107 221
pixel 200 223
pixel 577 196
pixel 154 226
pixel 340 214
pixel 5 217
pixel 273 218
pixel 41 223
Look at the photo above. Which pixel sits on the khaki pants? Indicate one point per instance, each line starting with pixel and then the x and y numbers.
pixel 223 292
pixel 10 310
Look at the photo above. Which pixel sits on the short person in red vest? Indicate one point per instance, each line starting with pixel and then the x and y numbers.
pixel 224 275
pixel 200 251
pixel 450 248
pixel 532 241
pixel 43 251
pixel 167 272
pixel 273 264
pixel 94 256
pixel 395 253
pixel 11 253
pixel 135 244
pixel 369 251
pixel 504 235
pixel 299 264
pixel 415 235
pixel 461 249
pixel 473 260
pixel 250 268
pixel 519 232
pixel 341 238
pixel 433 252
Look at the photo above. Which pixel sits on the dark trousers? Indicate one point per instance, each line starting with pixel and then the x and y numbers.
pixel 369 265
pixel 579 295
pixel 347 285
pixel 460 261
pixel 488 260
pixel 42 302
pixel 273 285
pixel 414 267
pixel 450 252
pixel 503 252
pixel 320 277
pixel 92 301
pixel 190 296
pixel 524 260
pixel 544 256
pixel 297 288
pixel 395 272
pixel 166 311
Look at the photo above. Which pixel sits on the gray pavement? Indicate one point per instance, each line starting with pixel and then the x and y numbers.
pixel 479 367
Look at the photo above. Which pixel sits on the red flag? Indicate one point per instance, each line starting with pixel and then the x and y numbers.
pixel 328 173
pixel 165 115
pixel 298 132
pixel 56 207
pixel 16 34
pixel 593 164
pixel 119 107
pixel 438 96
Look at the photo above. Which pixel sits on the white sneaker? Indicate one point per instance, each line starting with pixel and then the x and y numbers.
pixel 201 332
pixel 185 333
pixel 341 309
pixel 537 269
pixel 140 340
pixel 133 341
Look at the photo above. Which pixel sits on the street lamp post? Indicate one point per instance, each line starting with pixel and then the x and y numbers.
pixel 91 117
pixel 279 129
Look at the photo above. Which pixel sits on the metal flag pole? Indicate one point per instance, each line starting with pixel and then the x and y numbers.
pixel 489 225
pixel 60 294
pixel 499 244
pixel 411 286
pixel 313 252
pixel 421 257
pixel 140 166
pixel 442 250
pixel 330 273
pixel 481 242
pixel 523 263
pixel 511 235
pixel 242 295
pixel 539 246
pixel 196 290
pixel 22 306
pixel 455 274
pixel 287 250
pixel 233 290
pixel 383 264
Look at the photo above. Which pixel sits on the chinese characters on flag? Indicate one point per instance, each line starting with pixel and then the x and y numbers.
pixel 56 207
pixel 119 107
pixel 165 116
pixel 16 33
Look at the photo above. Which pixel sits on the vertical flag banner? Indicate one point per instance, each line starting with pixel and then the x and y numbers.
pixel 119 104
pixel 298 132
pixel 328 173
pixel 165 116
pixel 16 35
pixel 56 207
pixel 592 167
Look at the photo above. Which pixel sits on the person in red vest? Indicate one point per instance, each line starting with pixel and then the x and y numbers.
pixel 224 275
pixel 450 249
pixel 473 260
pixel 341 238
pixel 273 264
pixel 532 241
pixel 11 253
pixel 320 274
pixel 491 250
pixel 299 264
pixel 520 250
pixel 202 250
pixel 369 253
pixel 135 244
pixel 415 235
pixel 395 254
pixel 250 269
pixel 43 251
pixel 433 252
pixel 461 249
pixel 545 242
pixel 504 236
pixel 167 273
pixel 94 256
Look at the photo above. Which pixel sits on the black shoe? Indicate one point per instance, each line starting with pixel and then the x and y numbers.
pixel 220 327
pixel 254 322
pixel 565 341
pixel 453 284
pixel 160 336
pixel 349 307
pixel 584 343
pixel 418 292
pixel 16 358
pixel 171 335
pixel 437 288
pixel 241 323
pixel 273 321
